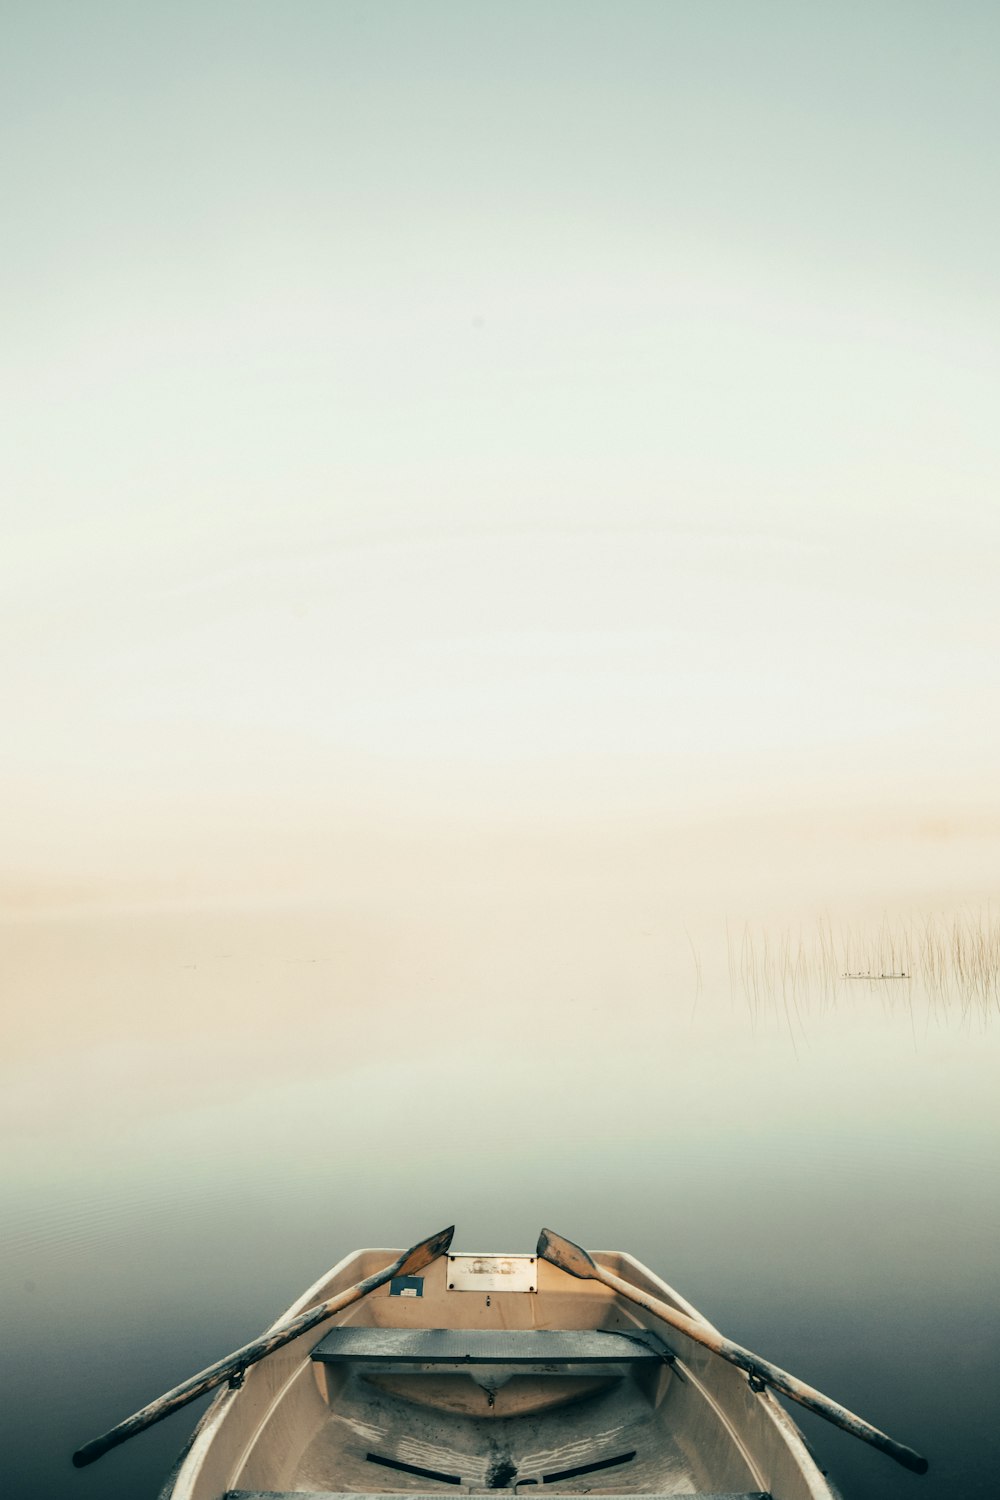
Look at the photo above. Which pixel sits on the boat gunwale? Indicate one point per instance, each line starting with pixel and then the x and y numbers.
pixel 183 1477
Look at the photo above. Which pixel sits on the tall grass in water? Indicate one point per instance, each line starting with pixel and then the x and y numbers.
pixel 952 959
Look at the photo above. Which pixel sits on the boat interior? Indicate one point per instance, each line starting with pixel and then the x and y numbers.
pixel 500 1373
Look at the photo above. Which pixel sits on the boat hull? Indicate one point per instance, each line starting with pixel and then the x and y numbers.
pixel 442 1387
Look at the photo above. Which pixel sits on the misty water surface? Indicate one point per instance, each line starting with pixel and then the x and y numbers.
pixel 493 495
pixel 206 1108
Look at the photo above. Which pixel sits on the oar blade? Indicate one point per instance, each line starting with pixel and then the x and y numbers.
pixel 421 1255
pixel 576 1262
pixel 566 1255
pixel 410 1261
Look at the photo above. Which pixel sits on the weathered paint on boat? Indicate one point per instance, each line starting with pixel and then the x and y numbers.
pixel 404 1420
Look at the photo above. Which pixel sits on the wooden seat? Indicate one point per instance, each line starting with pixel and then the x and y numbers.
pixel 448 1346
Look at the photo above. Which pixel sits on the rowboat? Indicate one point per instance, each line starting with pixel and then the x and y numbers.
pixel 435 1373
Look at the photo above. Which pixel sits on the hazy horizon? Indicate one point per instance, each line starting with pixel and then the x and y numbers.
pixel 492 417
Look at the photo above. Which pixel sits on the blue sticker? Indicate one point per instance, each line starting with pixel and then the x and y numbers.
pixel 406 1286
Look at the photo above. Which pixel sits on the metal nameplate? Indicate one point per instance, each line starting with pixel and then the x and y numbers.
pixel 492 1273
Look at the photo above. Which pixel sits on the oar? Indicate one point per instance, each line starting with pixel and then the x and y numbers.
pixel 571 1258
pixel 234 1364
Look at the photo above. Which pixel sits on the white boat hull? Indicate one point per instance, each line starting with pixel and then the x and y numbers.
pixel 372 1401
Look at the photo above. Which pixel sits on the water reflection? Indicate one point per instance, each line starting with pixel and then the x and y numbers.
pixel 935 959
pixel 204 1110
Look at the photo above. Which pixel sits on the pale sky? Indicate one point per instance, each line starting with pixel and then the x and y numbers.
pixel 492 409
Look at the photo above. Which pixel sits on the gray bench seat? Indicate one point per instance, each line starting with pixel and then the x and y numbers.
pixel 448 1346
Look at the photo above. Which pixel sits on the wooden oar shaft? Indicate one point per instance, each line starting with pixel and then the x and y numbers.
pixel 771 1374
pixel 206 1380
pixel 550 1247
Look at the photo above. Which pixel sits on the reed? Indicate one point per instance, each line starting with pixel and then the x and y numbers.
pixel 953 958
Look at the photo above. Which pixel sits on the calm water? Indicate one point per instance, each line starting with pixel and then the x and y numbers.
pixel 204 1110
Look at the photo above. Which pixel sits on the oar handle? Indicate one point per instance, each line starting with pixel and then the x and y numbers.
pixel 206 1380
pixel 576 1262
pixel 198 1385
pixel 823 1406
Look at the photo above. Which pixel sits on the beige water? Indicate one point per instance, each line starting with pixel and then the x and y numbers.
pixel 205 1105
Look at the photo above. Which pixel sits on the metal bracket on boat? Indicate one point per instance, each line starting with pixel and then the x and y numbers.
pixel 670 1358
pixel 651 1340
pixel 755 1383
pixel 236 1379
